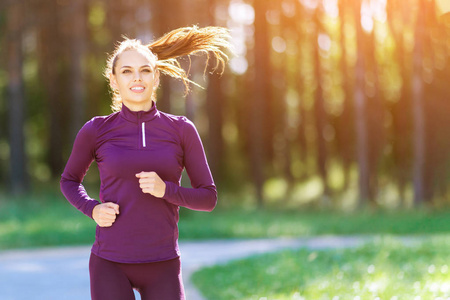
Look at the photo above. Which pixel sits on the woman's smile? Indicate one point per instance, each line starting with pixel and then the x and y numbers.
pixel 137 89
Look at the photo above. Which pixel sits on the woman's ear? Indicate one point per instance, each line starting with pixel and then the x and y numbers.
pixel 156 85
pixel 113 82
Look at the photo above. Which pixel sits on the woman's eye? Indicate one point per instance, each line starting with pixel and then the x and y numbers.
pixel 126 71
pixel 147 70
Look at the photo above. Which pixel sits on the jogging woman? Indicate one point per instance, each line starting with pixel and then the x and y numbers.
pixel 141 152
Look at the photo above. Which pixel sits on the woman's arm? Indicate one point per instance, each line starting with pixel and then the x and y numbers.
pixel 83 153
pixel 203 194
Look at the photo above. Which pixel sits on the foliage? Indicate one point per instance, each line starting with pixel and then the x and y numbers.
pixel 45 218
pixel 386 269
pixel 269 223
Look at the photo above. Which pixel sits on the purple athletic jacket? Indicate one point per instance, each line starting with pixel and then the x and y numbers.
pixel 124 144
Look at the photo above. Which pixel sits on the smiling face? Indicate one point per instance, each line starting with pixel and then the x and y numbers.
pixel 135 78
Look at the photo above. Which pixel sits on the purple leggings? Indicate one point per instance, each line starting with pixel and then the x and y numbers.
pixel 115 281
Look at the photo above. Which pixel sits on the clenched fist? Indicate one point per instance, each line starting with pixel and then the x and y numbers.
pixel 152 184
pixel 104 214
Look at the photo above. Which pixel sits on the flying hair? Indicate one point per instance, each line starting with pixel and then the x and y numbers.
pixel 180 42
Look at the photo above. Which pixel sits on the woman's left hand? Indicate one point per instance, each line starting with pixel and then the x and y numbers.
pixel 152 184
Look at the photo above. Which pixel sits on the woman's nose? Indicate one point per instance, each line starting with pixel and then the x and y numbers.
pixel 137 76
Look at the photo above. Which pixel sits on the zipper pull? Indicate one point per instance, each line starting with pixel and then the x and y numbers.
pixel 143 135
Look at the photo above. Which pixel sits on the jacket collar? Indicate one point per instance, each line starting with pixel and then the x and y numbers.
pixel 139 116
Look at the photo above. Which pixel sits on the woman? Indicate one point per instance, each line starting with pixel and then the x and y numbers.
pixel 140 153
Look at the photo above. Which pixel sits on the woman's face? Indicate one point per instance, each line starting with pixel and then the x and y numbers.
pixel 136 79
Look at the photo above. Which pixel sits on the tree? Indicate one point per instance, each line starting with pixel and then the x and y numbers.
pixel 260 98
pixel 374 115
pixel 418 108
pixel 52 70
pixel 320 116
pixel 16 98
pixel 362 150
pixel 398 14
pixel 215 104
pixel 344 129
pixel 77 51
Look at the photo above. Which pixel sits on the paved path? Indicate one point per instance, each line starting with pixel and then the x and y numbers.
pixel 62 273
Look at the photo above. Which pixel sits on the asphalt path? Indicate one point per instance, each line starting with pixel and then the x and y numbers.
pixel 62 272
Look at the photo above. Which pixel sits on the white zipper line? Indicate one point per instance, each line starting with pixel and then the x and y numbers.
pixel 143 135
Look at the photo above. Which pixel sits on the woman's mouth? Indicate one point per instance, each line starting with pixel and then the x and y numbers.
pixel 137 89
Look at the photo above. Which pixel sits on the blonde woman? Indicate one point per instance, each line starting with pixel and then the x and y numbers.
pixel 141 152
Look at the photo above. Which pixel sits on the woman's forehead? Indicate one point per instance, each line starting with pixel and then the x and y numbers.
pixel 135 58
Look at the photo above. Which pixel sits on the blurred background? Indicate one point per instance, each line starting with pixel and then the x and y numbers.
pixel 325 103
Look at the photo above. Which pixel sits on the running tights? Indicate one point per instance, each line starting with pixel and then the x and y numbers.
pixel 154 281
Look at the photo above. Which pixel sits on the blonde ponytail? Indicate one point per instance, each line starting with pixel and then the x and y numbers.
pixel 187 41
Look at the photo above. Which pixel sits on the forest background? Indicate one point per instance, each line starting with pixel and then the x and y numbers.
pixel 325 103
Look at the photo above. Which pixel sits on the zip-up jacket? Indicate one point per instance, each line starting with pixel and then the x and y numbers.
pixel 124 144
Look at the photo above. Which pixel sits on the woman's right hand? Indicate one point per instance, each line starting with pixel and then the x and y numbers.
pixel 104 214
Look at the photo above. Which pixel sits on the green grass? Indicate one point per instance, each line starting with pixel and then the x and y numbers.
pixel 383 270
pixel 43 220
pixel 239 223
pixel 47 219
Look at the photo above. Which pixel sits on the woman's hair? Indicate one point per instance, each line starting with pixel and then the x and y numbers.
pixel 165 51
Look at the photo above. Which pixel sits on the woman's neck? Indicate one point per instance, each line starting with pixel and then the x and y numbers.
pixel 144 106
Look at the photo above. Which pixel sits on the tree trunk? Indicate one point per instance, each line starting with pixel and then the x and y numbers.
pixel 215 109
pixel 375 118
pixel 285 130
pixel 215 101
pixel 319 111
pixel 77 51
pixel 401 110
pixel 418 110
pixel 345 130
pixel 360 112
pixel 51 67
pixel 160 27
pixel 16 99
pixel 169 17
pixel 301 134
pixel 260 99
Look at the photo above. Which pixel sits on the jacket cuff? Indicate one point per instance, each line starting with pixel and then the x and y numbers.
pixel 171 189
pixel 90 207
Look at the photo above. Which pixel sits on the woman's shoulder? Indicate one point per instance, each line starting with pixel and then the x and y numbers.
pixel 98 121
pixel 92 127
pixel 177 120
pixel 185 128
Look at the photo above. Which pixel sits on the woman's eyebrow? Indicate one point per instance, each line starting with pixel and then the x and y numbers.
pixel 144 66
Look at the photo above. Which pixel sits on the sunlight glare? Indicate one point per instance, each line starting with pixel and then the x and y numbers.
pixel 379 10
pixel 241 16
pixel 279 44
pixel 238 39
pixel 288 9
pixel 241 12
pixel 331 8
pixel 443 5
pixel 310 4
pixel 324 42
pixel 366 17
pixel 238 65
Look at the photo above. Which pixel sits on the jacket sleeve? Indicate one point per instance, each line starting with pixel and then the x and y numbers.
pixel 83 153
pixel 203 194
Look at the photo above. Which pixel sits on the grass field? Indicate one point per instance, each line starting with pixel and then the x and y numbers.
pixel 383 270
pixel 47 219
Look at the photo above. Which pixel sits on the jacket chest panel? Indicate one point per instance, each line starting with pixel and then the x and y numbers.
pixel 130 151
